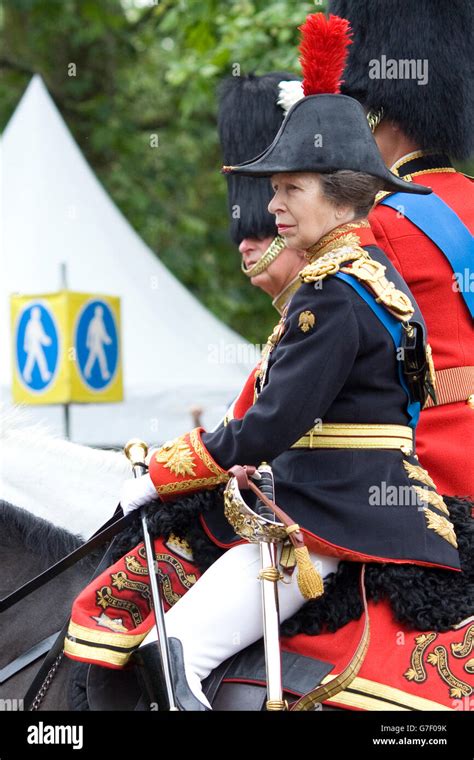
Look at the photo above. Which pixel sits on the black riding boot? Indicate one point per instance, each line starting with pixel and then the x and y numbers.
pixel 150 674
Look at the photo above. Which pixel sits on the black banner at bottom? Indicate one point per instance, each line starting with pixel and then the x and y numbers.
pixel 378 734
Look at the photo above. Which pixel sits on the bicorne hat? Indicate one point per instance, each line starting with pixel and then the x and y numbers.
pixel 324 132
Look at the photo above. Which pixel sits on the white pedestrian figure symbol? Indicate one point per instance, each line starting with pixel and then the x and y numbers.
pixel 35 339
pixel 96 338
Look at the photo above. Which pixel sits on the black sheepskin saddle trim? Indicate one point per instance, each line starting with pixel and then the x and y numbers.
pixel 421 598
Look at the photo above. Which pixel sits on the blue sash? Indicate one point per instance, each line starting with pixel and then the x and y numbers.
pixel 443 226
pixel 394 327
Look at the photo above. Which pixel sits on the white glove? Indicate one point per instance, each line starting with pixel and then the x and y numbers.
pixel 136 492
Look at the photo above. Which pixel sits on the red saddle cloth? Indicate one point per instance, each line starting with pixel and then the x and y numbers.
pixel 403 670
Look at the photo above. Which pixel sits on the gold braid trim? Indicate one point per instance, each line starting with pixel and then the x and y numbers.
pixel 273 251
pixel 370 695
pixel 96 654
pixel 330 263
pixel 126 641
pixel 190 485
pixel 374 117
pixel 204 455
pixel 337 237
pixel 365 269
pixel 329 688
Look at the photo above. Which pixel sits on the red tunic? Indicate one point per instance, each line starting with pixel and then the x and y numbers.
pixel 445 434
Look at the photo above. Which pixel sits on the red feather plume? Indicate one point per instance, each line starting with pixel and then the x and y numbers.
pixel 324 50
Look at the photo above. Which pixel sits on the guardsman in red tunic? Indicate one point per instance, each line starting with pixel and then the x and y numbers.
pixel 411 65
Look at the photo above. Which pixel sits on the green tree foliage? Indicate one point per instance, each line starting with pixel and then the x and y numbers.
pixel 136 83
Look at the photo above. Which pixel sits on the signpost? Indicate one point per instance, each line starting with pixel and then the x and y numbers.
pixel 66 348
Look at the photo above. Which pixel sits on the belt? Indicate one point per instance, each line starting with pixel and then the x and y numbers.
pixel 453 385
pixel 344 435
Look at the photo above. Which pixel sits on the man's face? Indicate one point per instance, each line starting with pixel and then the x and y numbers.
pixel 280 272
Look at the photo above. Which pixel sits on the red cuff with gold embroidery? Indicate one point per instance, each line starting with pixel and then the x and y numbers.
pixel 183 466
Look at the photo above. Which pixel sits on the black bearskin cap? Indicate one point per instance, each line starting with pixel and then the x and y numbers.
pixel 440 33
pixel 248 120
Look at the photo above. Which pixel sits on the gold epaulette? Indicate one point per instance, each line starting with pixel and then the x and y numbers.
pixel 366 270
pixel 330 262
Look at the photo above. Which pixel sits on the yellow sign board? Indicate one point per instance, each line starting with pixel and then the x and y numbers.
pixel 66 348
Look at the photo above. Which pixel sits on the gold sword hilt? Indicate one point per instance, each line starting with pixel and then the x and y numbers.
pixel 136 452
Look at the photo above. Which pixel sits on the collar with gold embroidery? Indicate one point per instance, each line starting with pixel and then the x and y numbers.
pixel 342 250
pixel 357 233
pixel 422 162
pixel 282 299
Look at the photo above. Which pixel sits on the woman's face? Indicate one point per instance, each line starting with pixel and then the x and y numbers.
pixel 302 213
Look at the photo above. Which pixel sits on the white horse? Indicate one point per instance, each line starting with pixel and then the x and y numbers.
pixel 75 487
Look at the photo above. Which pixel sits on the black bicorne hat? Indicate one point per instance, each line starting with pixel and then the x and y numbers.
pixel 434 105
pixel 249 118
pixel 325 133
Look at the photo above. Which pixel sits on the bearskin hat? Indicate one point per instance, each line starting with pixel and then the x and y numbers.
pixel 415 59
pixel 248 120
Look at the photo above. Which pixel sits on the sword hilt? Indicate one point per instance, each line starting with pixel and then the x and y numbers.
pixel 136 451
pixel 267 487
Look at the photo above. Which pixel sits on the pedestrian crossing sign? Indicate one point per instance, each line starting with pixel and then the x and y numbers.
pixel 66 348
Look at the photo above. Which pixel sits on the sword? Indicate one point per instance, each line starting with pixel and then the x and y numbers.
pixel 269 576
pixel 136 451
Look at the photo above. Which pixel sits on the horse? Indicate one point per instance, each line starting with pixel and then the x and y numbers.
pixel 29 545
pixel 75 487
pixel 422 600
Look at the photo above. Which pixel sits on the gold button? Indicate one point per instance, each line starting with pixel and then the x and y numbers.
pixel 406 450
pixel 470 400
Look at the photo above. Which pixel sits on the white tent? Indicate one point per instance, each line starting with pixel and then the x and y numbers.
pixel 175 353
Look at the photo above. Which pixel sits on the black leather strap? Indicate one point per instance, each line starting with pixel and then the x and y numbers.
pixel 27 658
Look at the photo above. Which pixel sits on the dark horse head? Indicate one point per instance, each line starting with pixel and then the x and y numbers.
pixel 29 545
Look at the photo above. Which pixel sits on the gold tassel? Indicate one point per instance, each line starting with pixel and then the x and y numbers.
pixel 310 582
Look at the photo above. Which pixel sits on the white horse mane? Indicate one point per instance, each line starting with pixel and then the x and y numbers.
pixel 73 486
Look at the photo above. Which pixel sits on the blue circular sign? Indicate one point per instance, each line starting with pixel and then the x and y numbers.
pixel 37 346
pixel 96 343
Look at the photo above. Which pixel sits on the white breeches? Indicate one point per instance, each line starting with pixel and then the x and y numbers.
pixel 222 613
